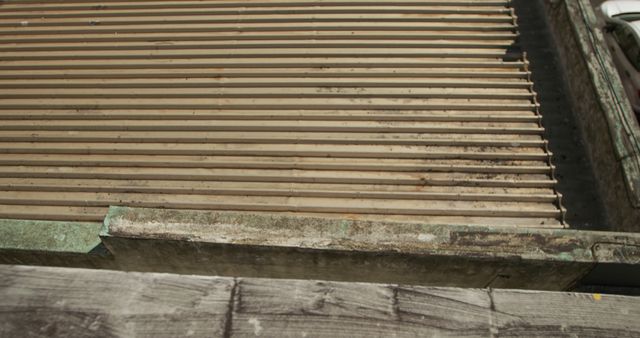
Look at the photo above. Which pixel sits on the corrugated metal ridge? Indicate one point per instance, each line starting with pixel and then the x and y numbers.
pixel 419 111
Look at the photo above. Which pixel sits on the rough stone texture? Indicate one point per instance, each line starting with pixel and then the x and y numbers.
pixel 606 123
pixel 59 302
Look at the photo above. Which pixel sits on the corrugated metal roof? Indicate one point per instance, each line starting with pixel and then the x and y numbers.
pixel 399 110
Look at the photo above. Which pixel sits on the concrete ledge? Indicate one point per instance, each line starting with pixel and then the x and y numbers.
pixel 57 302
pixel 280 246
pixel 280 230
pixel 283 246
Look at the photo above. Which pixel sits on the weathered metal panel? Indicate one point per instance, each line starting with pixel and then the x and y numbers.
pixel 411 111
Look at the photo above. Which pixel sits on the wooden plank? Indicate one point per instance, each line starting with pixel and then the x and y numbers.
pixel 271 104
pixel 358 309
pixel 275 150
pixel 273 52
pixel 156 38
pixel 77 302
pixel 331 309
pixel 259 82
pixel 266 114
pixel 15 7
pixel 408 21
pixel 300 62
pixel 20 3
pixel 309 10
pixel 93 214
pixel 422 115
pixel 308 176
pixel 278 189
pixel 25 4
pixel 111 303
pixel 264 162
pixel 286 204
pixel 278 92
pixel 176 25
pixel 240 8
pixel 354 90
pixel 290 2
pixel 590 314
pixel 480 74
pixel 309 42
pixel 269 138
pixel 446 127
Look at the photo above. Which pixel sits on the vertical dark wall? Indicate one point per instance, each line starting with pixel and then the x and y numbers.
pixel 576 181
pixel 593 85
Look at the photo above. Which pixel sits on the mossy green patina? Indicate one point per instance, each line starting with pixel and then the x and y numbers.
pixel 49 235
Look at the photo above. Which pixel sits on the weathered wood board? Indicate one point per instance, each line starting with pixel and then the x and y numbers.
pixel 62 302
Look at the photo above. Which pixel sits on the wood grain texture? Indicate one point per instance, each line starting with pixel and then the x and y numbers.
pixel 548 314
pixel 62 302
pixel 40 302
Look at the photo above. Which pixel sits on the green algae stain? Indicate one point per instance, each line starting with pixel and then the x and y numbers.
pixel 77 237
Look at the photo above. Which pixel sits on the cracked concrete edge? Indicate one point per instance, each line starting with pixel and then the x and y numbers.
pixel 269 230
pixel 51 236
